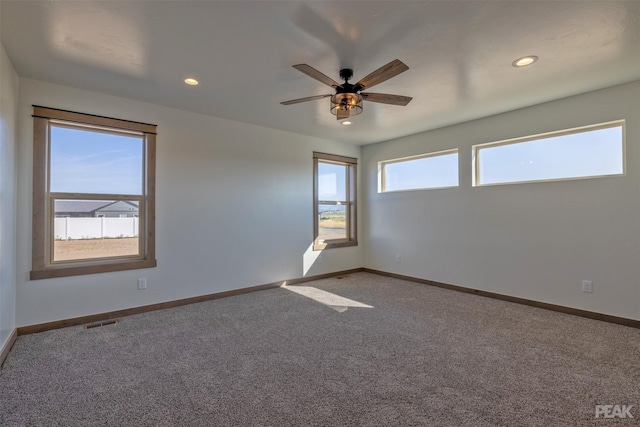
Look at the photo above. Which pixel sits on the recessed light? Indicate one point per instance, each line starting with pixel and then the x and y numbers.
pixel 346 123
pixel 524 61
pixel 191 82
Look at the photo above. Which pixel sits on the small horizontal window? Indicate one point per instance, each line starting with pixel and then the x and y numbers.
pixel 591 151
pixel 433 170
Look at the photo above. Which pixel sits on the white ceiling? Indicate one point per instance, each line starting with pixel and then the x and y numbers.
pixel 459 54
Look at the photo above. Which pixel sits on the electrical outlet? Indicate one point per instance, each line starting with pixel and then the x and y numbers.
pixel 587 286
pixel 398 259
pixel 142 283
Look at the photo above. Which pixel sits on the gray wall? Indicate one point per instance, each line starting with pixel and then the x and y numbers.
pixel 234 209
pixel 248 191
pixel 534 240
pixel 8 117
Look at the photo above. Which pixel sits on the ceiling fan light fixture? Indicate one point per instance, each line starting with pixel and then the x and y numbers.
pixel 346 123
pixel 191 81
pixel 348 99
pixel 351 102
pixel 524 61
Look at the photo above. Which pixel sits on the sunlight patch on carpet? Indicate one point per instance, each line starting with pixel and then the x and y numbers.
pixel 336 302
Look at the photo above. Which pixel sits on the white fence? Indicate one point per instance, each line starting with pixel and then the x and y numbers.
pixel 94 228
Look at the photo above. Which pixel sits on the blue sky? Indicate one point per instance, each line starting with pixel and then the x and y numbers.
pixel 95 162
pixel 428 172
pixel 592 153
pixel 331 181
pixel 588 153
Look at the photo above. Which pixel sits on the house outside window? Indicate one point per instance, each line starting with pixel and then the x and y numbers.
pixel 94 194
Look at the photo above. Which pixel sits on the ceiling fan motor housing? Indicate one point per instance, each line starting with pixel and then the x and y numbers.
pixel 346 74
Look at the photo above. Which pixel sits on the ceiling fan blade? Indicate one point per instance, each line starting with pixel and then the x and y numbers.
pixel 383 73
pixel 315 74
pixel 308 98
pixel 342 114
pixel 385 98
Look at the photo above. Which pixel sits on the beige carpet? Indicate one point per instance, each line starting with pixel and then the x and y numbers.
pixel 362 350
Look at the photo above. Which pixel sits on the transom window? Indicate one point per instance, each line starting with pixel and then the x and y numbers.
pixel 590 151
pixel 433 170
pixel 94 194
pixel 334 205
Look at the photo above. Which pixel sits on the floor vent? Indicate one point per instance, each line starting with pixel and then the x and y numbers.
pixel 100 324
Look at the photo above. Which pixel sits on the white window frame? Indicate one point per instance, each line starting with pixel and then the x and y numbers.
pixel 43 266
pixel 382 173
pixel 582 129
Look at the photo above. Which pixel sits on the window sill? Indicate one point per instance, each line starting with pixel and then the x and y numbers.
pixel 334 245
pixel 64 271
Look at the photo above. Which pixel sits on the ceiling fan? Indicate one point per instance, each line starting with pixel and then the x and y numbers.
pixel 347 101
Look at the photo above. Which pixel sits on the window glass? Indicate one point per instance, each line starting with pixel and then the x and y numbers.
pixel 332 212
pixel 331 181
pixel 84 161
pixel 580 153
pixel 91 229
pixel 436 170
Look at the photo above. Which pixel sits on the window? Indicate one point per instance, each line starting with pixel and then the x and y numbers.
pixel 334 205
pixel 433 170
pixel 87 170
pixel 591 151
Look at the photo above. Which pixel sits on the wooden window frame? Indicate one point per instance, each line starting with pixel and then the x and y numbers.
pixel 43 266
pixel 350 202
